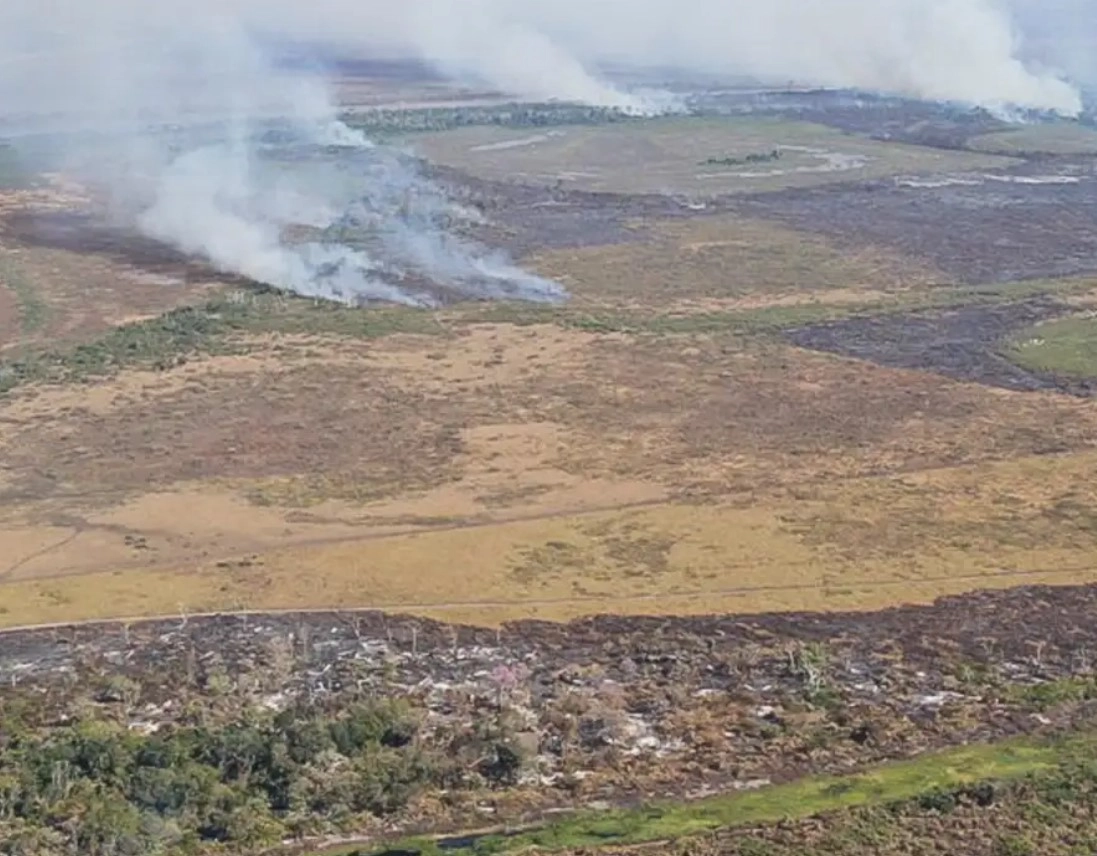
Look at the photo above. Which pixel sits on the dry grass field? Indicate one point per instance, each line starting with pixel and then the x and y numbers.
pixel 696 157
pixel 727 262
pixel 656 445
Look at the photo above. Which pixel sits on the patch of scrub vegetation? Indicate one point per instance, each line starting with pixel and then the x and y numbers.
pixel 302 492
pixel 211 328
pixel 384 122
pixel 1060 771
pixel 33 310
pixel 238 785
pixel 753 158
pixel 246 781
pixel 1067 346
pixel 1048 694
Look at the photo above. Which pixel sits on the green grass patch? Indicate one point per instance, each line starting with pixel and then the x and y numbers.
pixel 210 328
pixel 33 310
pixel 1067 346
pixel 1048 694
pixel 925 778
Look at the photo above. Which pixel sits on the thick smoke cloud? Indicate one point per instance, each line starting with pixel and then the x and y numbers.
pixel 216 185
pixel 979 51
pixel 972 51
pixel 178 119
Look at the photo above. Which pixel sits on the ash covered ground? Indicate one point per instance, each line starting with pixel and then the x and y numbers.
pixel 610 710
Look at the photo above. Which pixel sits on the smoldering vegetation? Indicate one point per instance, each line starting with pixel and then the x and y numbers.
pixel 196 137
pixel 972 51
pixel 326 213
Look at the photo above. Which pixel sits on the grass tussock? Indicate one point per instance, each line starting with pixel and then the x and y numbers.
pixel 1067 346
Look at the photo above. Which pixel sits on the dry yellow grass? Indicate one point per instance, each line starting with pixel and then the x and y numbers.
pixel 495 471
pixel 671 155
pixel 728 262
pixel 861 544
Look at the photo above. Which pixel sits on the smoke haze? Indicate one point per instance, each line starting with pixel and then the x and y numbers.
pixel 973 51
pixel 116 68
pixel 178 119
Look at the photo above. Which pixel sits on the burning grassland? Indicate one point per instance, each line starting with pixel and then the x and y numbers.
pixel 531 440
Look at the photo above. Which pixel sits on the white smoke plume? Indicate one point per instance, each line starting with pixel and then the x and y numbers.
pixel 986 52
pixel 197 138
pixel 120 68
pixel 971 51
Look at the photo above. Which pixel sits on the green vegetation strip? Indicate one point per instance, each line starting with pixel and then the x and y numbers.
pixel 775 318
pixel 224 779
pixel 930 778
pixel 216 327
pixel 210 328
pixel 1067 346
pixel 33 310
pixel 383 122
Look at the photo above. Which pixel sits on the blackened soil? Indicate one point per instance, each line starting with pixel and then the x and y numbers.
pixel 961 343
pixel 998 230
pixel 1002 625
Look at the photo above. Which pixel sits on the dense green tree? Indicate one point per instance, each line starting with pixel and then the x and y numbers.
pixel 95 787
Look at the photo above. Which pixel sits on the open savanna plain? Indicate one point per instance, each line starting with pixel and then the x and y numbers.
pixel 663 440
pixel 790 510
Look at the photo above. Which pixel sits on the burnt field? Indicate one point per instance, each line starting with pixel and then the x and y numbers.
pixel 89 233
pixel 1035 220
pixel 1031 632
pixel 963 343
pixel 606 710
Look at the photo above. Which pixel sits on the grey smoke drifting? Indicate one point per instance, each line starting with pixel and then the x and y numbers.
pixel 193 134
pixel 981 52
pixel 175 98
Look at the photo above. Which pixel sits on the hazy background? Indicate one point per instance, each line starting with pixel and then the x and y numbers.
pixel 120 67
pixel 120 51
